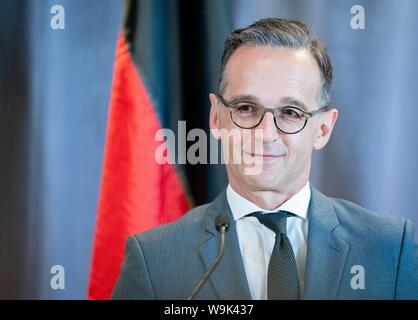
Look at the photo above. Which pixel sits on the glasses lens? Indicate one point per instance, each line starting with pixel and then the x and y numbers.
pixel 246 115
pixel 290 119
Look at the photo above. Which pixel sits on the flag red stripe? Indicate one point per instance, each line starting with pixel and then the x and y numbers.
pixel 136 192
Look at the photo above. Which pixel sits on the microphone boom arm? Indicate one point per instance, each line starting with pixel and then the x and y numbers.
pixel 223 229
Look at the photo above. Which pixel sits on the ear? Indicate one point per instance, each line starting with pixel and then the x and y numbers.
pixel 326 125
pixel 214 115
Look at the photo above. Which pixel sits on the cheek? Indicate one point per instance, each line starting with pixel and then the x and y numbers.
pixel 225 120
pixel 299 145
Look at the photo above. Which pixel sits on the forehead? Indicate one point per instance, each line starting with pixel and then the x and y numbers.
pixel 271 73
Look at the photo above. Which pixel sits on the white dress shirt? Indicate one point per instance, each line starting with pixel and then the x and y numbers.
pixel 256 241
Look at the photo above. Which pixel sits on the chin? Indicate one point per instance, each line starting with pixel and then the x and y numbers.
pixel 263 181
pixel 265 171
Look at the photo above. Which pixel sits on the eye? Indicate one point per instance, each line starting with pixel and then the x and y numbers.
pixel 245 109
pixel 291 113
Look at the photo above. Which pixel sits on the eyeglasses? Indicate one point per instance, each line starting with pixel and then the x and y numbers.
pixel 248 115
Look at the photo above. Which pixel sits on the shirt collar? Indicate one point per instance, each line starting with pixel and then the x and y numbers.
pixel 298 204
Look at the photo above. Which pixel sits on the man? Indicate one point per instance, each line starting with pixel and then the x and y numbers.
pixel 286 240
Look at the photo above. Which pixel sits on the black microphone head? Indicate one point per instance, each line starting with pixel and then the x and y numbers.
pixel 222 220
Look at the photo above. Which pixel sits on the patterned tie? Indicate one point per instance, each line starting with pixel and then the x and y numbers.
pixel 282 279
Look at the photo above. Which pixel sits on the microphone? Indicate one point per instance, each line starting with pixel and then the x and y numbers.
pixel 222 226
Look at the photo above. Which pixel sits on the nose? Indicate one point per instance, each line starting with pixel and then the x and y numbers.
pixel 270 132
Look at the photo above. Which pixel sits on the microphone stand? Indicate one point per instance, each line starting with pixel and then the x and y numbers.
pixel 222 230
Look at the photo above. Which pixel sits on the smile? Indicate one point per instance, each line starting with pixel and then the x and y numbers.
pixel 266 156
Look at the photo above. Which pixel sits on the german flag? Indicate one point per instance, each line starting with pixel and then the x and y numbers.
pixel 157 52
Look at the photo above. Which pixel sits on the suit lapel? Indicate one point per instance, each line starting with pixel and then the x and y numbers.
pixel 228 280
pixel 327 250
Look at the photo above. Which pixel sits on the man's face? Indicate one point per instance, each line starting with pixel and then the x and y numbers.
pixel 273 77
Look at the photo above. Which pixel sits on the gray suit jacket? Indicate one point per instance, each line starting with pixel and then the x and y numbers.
pixel 168 261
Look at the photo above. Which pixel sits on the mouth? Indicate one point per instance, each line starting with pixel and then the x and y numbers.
pixel 265 155
pixel 266 158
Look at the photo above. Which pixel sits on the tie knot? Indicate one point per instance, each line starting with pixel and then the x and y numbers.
pixel 275 221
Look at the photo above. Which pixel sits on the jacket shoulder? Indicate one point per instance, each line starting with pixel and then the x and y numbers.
pixel 364 223
pixel 189 223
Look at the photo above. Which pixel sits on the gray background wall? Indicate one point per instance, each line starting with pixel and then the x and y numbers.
pixel 54 92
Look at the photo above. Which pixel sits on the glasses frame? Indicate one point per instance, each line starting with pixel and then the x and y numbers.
pixel 307 115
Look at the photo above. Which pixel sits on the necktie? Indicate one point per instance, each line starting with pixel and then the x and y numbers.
pixel 282 279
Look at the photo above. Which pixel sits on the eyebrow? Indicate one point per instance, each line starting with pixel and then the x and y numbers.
pixel 294 102
pixel 288 101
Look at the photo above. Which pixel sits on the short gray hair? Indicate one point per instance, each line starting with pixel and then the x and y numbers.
pixel 277 32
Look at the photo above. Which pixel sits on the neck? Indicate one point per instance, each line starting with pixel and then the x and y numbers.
pixel 268 199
